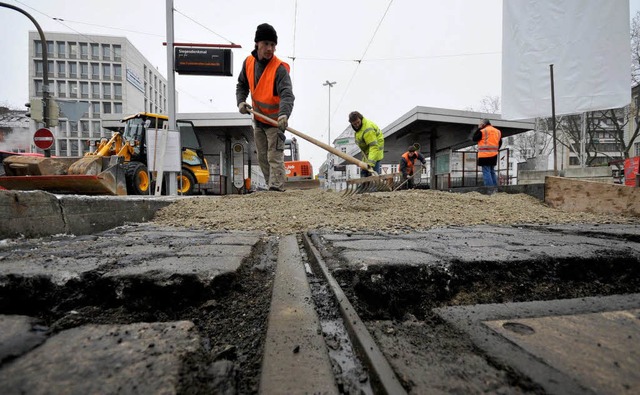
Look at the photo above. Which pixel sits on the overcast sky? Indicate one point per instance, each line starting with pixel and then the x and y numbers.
pixel 386 56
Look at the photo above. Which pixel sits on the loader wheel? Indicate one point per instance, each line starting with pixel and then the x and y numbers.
pixel 137 176
pixel 186 183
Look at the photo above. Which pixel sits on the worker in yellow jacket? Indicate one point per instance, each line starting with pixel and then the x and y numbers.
pixel 370 140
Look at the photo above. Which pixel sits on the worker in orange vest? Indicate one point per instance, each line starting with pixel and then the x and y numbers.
pixel 489 141
pixel 407 165
pixel 267 79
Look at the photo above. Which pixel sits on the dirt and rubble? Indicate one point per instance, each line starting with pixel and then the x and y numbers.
pixel 455 364
pixel 393 212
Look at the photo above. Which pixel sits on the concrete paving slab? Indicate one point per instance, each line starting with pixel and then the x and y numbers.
pixel 144 358
pixel 18 335
pixel 572 346
pixel 131 258
pixel 482 243
pixel 599 350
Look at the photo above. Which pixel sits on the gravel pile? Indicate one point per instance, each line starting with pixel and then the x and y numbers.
pixel 393 212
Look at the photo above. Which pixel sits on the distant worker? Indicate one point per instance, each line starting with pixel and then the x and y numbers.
pixel 489 141
pixel 370 140
pixel 267 79
pixel 407 165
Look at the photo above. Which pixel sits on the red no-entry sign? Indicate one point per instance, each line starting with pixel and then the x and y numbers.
pixel 43 138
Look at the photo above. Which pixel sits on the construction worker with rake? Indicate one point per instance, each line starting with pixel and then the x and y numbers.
pixel 267 79
pixel 407 167
pixel 370 141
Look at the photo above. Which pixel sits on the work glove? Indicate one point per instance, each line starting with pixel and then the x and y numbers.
pixel 283 122
pixel 244 108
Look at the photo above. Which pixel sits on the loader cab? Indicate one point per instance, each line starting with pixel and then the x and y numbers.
pixel 135 129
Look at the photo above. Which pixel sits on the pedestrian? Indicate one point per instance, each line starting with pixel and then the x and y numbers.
pixel 407 167
pixel 370 140
pixel 267 79
pixel 489 141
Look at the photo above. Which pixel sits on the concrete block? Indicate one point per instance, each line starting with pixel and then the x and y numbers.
pixel 30 214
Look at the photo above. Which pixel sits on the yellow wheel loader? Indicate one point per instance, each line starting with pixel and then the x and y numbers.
pixel 117 166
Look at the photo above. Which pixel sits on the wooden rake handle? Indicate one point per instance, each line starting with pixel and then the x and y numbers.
pixel 326 147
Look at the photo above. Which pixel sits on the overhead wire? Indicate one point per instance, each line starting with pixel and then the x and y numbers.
pixel 359 61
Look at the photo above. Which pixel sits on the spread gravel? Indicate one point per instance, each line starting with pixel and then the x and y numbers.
pixel 294 211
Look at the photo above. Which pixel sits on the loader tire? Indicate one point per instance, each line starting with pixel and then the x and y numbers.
pixel 186 183
pixel 137 176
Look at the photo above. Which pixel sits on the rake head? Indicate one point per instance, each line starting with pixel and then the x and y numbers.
pixel 382 183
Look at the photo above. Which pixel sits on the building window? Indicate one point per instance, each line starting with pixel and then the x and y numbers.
pixel 50 49
pixel 73 70
pixel 95 109
pixel 50 68
pixel 117 91
pixel 637 146
pixel 117 72
pixel 73 128
pixel 73 89
pixel 106 90
pixel 62 144
pixel 75 149
pixel 38 48
pixel 84 70
pixel 106 107
pixel 62 127
pixel 84 129
pixel 39 65
pixel 84 90
pixel 95 51
pixel 84 51
pixel 73 50
pixel 95 71
pixel 117 53
pixel 95 90
pixel 62 89
pixel 62 49
pixel 117 108
pixel 106 52
pixel 86 111
pixel 95 128
pixel 106 71
pixel 62 70
pixel 39 85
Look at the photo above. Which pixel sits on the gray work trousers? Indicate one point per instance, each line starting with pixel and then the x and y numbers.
pixel 270 147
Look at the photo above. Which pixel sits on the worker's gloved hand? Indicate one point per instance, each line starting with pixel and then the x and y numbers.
pixel 244 108
pixel 283 122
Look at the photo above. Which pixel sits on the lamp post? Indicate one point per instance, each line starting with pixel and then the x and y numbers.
pixel 330 85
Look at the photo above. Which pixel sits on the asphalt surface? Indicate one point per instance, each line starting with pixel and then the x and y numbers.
pixel 512 277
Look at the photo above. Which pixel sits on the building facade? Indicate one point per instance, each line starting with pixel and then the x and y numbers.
pixel 94 77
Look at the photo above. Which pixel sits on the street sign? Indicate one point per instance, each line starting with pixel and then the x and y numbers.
pixel 43 138
pixel 204 61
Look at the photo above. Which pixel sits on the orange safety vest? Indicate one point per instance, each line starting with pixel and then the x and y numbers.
pixel 489 144
pixel 262 97
pixel 409 162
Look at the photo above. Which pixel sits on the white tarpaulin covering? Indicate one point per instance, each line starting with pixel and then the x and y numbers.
pixel 588 43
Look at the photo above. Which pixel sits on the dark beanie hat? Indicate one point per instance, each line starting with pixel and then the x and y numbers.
pixel 266 32
pixel 411 148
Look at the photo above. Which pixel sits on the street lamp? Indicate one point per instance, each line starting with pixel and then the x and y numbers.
pixel 330 85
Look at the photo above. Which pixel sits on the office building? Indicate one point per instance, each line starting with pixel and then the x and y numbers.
pixel 106 73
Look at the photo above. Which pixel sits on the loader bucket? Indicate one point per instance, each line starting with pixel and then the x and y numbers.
pixel 382 183
pixel 18 165
pixel 111 181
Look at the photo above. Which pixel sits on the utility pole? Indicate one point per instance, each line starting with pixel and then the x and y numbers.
pixel 330 85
